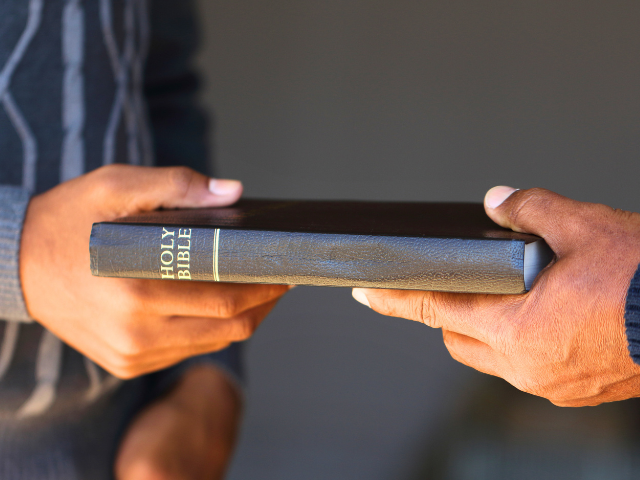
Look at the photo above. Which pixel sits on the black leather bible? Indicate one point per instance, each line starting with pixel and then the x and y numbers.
pixel 451 247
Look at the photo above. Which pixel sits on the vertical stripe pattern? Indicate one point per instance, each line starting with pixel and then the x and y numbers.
pixel 29 145
pixel 28 139
pixel 127 70
pixel 95 381
pixel 33 23
pixel 146 144
pixel 73 102
pixel 29 149
pixel 48 366
pixel 50 350
pixel 9 341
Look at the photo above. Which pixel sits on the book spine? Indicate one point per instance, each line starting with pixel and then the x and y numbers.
pixel 249 256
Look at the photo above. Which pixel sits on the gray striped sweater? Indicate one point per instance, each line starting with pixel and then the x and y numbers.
pixel 82 84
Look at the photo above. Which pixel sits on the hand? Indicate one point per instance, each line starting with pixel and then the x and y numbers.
pixel 565 339
pixel 188 434
pixel 130 326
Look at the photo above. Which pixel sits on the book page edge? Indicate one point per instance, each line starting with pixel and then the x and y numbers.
pixel 537 256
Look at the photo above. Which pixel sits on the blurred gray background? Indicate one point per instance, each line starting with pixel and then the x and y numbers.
pixel 402 100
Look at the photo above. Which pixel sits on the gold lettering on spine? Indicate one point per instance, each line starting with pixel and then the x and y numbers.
pixel 166 233
pixel 166 255
pixel 184 254
pixel 167 272
pixel 182 261
pixel 216 251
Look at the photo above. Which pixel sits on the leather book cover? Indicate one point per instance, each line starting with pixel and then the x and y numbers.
pixel 429 246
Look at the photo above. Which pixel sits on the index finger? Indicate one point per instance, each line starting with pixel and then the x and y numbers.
pixel 202 299
pixel 474 315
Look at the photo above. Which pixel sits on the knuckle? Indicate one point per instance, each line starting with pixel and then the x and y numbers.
pixel 226 307
pixel 243 330
pixel 123 373
pixel 108 181
pixel 536 380
pixel 276 291
pixel 455 354
pixel 128 345
pixel 109 171
pixel 528 384
pixel 525 200
pixel 426 311
pixel 112 174
pixel 567 403
pixel 451 343
pixel 180 179
pixel 121 368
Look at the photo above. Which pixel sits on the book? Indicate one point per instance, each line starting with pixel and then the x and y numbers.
pixel 450 247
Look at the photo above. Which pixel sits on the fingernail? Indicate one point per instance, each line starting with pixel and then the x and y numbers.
pixel 359 295
pixel 497 195
pixel 224 187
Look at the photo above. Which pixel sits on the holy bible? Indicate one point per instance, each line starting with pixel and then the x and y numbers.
pixel 450 247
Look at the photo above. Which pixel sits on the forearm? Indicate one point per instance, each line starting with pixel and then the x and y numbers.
pixel 208 395
pixel 187 434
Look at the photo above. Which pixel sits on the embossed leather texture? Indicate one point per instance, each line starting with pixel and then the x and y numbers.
pixel 429 246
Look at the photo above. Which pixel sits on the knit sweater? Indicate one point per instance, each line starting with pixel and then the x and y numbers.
pixel 632 317
pixel 82 84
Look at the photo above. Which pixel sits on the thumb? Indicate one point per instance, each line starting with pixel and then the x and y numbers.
pixel 538 211
pixel 139 189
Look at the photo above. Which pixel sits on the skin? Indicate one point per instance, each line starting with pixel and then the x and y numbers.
pixel 131 327
pixel 565 339
pixel 200 414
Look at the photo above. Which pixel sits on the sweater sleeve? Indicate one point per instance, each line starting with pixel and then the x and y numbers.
pixel 13 205
pixel 632 317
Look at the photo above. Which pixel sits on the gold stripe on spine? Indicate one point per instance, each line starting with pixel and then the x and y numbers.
pixel 216 249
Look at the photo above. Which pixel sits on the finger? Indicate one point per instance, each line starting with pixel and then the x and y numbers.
pixel 544 213
pixel 201 299
pixel 198 333
pixel 127 371
pixel 472 353
pixel 475 315
pixel 170 340
pixel 132 189
pixel 195 335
